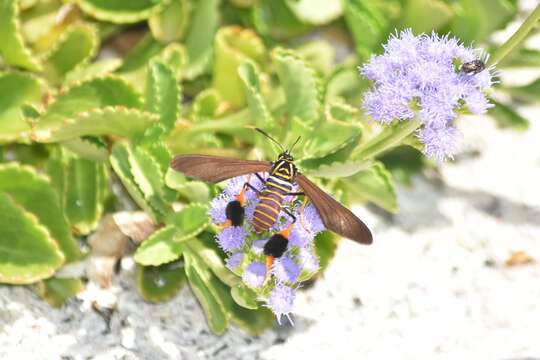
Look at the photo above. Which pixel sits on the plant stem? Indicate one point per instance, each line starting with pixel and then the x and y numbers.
pixel 517 38
pixel 388 138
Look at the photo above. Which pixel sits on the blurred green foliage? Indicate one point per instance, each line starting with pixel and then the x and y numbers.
pixel 96 93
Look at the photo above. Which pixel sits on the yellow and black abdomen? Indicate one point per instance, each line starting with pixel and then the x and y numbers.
pixel 270 203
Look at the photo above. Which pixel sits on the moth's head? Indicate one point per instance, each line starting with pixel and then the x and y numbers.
pixel 286 155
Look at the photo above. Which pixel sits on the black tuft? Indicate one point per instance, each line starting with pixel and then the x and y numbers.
pixel 235 212
pixel 276 246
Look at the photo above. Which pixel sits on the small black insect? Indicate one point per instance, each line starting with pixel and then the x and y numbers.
pixel 235 212
pixel 473 67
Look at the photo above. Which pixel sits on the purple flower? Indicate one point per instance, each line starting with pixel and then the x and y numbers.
pixel 231 238
pixel 419 72
pixel 308 224
pixel 281 301
pixel 286 270
pixel 254 274
pixel 235 260
pixel 236 184
pixel 308 261
pixel 258 246
pixel 217 209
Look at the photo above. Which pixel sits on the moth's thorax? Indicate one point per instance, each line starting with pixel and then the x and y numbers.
pixel 284 168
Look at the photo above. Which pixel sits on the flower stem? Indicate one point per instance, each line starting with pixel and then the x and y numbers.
pixel 517 38
pixel 388 138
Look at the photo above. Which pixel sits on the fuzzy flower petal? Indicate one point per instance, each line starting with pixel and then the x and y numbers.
pixel 254 274
pixel 419 73
pixel 231 238
pixel 286 270
pixel 258 246
pixel 217 209
pixel 235 260
pixel 308 260
pixel 281 301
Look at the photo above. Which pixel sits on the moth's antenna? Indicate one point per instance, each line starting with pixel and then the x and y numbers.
pixel 296 142
pixel 271 138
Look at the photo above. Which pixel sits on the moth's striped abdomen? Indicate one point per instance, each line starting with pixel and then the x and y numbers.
pixel 270 203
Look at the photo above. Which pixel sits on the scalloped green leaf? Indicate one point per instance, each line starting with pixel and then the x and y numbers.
pixel 262 117
pixel 84 97
pixel 160 283
pixel 234 45
pixel 99 68
pixel 193 190
pixel 203 247
pixel 27 251
pixel 244 296
pixel 35 194
pixel 171 23
pixel 12 47
pixel 207 105
pixel 367 23
pixel 141 53
pixel 56 291
pixel 255 322
pixel 375 185
pixel 121 165
pixel 207 289
pixel 76 47
pixel 160 248
pixel 16 90
pixel 316 12
pixel 190 221
pixel 110 120
pixel 121 11
pixel 148 176
pixel 200 37
pixel 301 85
pixel 326 244
pixel 87 148
pixel 163 94
pixel 86 183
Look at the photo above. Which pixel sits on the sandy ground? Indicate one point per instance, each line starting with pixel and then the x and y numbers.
pixel 433 286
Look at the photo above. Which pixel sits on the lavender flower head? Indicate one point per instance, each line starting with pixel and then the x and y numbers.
pixel 422 74
pixel 273 280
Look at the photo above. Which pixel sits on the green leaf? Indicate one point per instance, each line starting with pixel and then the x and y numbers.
pixel 234 45
pixel 150 179
pixel 326 244
pixel 120 11
pixel 320 54
pixel 160 248
pixel 110 120
pixel 121 165
pixel 506 117
pixel 27 251
pixel 207 105
pixel 141 54
pixel 255 322
pixel 86 184
pixel 520 57
pixel 200 37
pixel 56 291
pixel 476 19
pixel 83 98
pixel 12 47
pixel 403 162
pixel 276 19
pixel 368 25
pixel 244 296
pixel 171 23
pixel 529 92
pixel 415 11
pixel 194 191
pixel 190 221
pixel 36 196
pixel 76 47
pixel 374 185
pixel 160 283
pixel 316 12
pixel 262 117
pixel 99 68
pixel 206 288
pixel 301 85
pixel 17 89
pixel 204 247
pixel 88 148
pixel 163 94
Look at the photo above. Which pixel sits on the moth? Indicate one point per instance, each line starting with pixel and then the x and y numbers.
pixel 283 174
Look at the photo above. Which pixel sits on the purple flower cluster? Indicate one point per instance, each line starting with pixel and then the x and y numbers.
pixel 274 280
pixel 420 77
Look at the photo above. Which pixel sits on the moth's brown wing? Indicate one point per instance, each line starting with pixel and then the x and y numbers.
pixel 214 168
pixel 335 216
